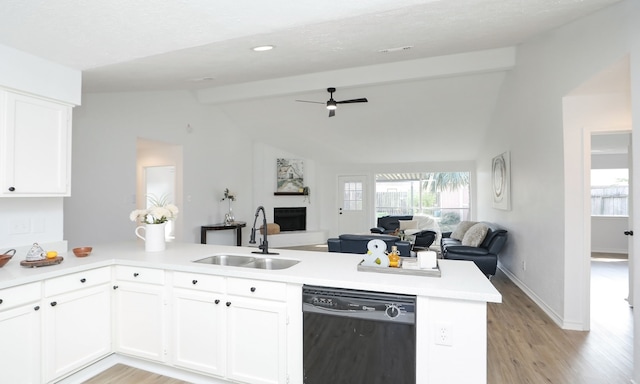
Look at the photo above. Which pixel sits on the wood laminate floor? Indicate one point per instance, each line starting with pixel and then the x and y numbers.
pixel 524 345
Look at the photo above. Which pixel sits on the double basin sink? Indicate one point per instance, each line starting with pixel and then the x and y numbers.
pixel 248 261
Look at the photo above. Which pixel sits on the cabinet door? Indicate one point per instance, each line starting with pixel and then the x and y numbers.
pixel 140 320
pixel 20 351
pixel 199 331
pixel 35 147
pixel 77 329
pixel 256 340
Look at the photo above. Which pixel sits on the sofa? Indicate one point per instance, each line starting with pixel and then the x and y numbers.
pixel 469 241
pixel 358 243
pixel 423 228
pixel 389 224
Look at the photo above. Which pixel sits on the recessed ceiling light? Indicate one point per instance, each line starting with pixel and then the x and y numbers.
pixel 263 48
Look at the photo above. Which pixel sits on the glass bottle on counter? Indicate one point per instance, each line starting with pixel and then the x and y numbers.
pixel 394 257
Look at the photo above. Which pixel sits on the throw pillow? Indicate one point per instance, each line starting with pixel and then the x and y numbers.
pixel 475 235
pixel 461 229
pixel 408 224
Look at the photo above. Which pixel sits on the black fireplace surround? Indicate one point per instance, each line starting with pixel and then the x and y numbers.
pixel 290 218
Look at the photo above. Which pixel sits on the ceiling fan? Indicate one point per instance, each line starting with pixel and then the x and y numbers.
pixel 332 104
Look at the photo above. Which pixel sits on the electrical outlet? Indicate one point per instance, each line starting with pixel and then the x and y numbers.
pixel 524 265
pixel 19 226
pixel 443 334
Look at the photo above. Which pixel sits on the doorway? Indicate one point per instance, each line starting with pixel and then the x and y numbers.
pixel 611 289
pixel 159 174
pixel 353 206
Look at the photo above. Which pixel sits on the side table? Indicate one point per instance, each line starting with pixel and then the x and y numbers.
pixel 237 225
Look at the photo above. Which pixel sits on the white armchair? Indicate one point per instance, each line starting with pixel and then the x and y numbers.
pixel 418 226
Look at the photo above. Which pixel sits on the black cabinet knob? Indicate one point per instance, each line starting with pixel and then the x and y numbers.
pixel 217 301
pixel 54 303
pixel 83 280
pixel 136 274
pixel 228 303
pixel 115 287
pixel 628 233
pixel 253 289
pixel 194 282
pixel 0 301
pixel 11 189
pixel 36 308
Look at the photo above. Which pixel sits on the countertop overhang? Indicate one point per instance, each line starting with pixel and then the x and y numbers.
pixel 460 280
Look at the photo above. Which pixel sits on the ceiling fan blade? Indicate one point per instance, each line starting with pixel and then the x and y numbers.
pixel 314 102
pixel 362 100
pixel 332 112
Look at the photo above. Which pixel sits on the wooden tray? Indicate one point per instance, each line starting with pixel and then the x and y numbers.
pixel 42 263
pixel 435 272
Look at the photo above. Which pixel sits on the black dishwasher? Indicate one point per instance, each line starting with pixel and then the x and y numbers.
pixel 358 337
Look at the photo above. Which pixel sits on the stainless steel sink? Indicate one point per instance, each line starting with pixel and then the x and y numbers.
pixel 271 263
pixel 248 262
pixel 232 260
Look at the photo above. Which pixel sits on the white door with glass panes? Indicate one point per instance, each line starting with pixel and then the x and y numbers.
pixel 353 211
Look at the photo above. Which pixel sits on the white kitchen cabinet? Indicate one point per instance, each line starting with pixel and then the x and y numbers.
pixel 77 321
pixel 256 331
pixel 20 324
pixel 240 335
pixel 198 323
pixel 35 146
pixel 140 313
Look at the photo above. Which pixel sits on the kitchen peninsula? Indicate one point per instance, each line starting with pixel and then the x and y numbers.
pixel 214 323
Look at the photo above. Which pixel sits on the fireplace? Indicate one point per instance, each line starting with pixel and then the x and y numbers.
pixel 290 218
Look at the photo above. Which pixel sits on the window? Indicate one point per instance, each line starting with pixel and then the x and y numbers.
pixel 609 192
pixel 443 195
pixel 352 200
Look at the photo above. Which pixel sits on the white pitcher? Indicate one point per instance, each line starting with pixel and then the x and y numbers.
pixel 154 238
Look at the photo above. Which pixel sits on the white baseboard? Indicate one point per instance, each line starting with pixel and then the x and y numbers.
pixel 545 308
pixel 161 369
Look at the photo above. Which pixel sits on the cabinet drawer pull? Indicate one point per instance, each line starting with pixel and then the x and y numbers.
pixel 228 303
pixel 0 301
pixel 11 189
pixel 194 282
pixel 136 274
pixel 83 280
pixel 54 303
pixel 36 308
pixel 253 289
pixel 217 301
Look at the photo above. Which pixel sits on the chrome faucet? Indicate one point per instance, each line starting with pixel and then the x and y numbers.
pixel 264 244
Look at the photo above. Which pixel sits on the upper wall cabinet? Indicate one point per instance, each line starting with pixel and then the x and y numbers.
pixel 35 146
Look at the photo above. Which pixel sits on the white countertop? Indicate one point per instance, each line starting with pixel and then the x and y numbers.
pixel 459 280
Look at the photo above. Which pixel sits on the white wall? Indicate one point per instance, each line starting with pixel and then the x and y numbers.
pixel 106 127
pixel 547 224
pixel 264 179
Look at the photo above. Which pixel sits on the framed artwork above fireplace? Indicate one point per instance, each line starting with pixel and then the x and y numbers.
pixel 289 177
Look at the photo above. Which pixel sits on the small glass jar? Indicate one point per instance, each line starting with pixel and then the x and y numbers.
pixel 394 257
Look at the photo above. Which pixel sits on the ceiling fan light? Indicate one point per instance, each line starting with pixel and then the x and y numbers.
pixel 331 105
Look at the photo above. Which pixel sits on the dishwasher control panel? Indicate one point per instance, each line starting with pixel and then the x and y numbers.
pixel 359 304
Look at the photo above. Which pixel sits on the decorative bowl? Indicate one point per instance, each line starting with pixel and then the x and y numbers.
pixel 5 257
pixel 82 251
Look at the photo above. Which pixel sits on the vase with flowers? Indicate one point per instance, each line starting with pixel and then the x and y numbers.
pixel 228 217
pixel 154 219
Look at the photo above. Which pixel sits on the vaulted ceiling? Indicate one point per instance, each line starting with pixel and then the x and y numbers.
pixel 205 46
